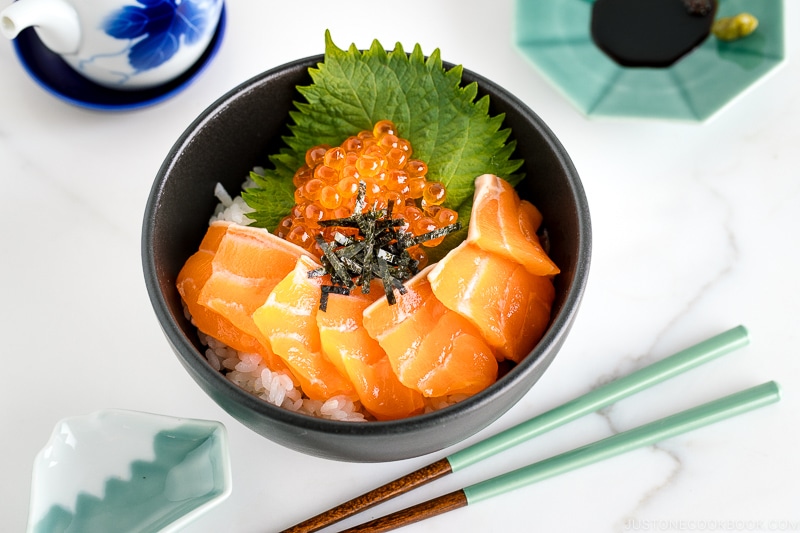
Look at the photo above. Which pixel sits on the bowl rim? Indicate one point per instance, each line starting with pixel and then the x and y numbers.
pixel 553 337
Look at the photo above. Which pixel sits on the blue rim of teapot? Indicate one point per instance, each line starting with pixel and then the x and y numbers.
pixel 53 74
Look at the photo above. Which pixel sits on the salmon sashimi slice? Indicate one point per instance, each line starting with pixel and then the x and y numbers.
pixel 509 305
pixel 501 223
pixel 192 278
pixel 212 238
pixel 193 275
pixel 431 348
pixel 361 358
pixel 248 264
pixel 288 319
pixel 530 218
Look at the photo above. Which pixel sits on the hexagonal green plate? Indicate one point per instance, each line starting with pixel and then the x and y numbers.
pixel 554 35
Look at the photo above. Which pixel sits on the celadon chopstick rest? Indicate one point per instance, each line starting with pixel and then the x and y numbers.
pixel 116 470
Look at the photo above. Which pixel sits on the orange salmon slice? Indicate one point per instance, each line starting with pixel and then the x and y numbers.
pixel 509 305
pixel 288 319
pixel 431 349
pixel 193 277
pixel 248 264
pixel 501 223
pixel 361 358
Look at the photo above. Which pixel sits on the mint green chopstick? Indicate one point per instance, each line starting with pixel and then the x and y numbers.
pixel 604 396
pixel 599 398
pixel 648 434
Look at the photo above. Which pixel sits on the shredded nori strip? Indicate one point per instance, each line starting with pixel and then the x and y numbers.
pixel 328 289
pixel 438 232
pixel 380 250
pixel 340 273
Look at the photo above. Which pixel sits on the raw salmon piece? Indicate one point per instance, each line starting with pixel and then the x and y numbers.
pixel 249 262
pixel 530 218
pixel 193 275
pixel 213 236
pixel 288 319
pixel 501 223
pixel 361 358
pixel 431 348
pixel 191 279
pixel 509 305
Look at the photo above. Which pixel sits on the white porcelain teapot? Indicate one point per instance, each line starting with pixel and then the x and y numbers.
pixel 121 44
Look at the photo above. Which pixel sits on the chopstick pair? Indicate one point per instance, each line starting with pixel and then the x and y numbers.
pixel 599 398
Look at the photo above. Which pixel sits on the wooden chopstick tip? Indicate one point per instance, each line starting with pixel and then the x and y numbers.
pixel 399 486
pixel 442 504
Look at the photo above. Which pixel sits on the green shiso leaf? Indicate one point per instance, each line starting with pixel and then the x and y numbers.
pixel 351 90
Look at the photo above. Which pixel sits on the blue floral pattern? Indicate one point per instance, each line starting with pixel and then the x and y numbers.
pixel 161 23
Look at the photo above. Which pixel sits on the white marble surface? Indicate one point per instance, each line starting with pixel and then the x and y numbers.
pixel 694 233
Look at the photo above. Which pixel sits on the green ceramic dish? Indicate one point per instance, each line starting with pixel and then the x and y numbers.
pixel 117 470
pixel 554 36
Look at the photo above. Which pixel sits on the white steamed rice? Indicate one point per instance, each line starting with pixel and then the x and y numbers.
pixel 248 371
pixel 233 209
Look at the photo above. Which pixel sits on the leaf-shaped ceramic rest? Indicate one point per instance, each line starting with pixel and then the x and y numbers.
pixel 117 470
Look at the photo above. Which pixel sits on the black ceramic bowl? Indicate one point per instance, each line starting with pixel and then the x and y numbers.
pixel 236 133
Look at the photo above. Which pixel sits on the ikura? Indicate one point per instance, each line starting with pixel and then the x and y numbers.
pixel 327 187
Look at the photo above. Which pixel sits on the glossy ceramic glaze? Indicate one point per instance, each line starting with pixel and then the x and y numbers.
pixel 555 37
pixel 117 470
pixel 120 44
pixel 238 132
pixel 56 77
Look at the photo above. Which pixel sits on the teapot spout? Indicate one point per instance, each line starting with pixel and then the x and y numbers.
pixel 55 21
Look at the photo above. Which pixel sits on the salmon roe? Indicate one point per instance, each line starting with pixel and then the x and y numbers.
pixel 327 188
